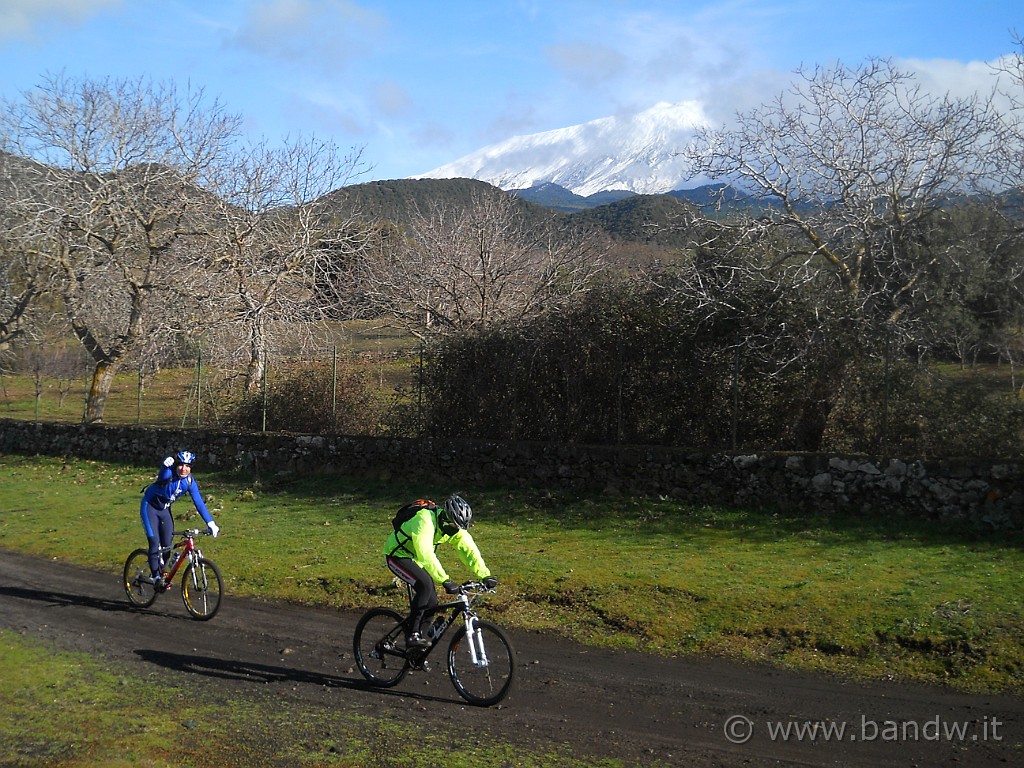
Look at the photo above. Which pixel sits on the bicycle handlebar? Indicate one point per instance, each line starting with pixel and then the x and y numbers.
pixel 477 587
pixel 192 532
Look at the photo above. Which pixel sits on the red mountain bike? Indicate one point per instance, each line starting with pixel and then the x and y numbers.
pixel 201 583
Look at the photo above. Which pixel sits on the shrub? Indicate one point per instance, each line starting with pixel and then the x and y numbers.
pixel 307 397
pixel 647 364
pixel 917 411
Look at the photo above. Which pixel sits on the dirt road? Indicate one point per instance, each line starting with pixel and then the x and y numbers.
pixel 638 708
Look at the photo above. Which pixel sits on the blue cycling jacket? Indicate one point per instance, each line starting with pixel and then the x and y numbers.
pixel 168 488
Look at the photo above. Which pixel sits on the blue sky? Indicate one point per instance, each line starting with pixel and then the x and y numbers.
pixel 419 83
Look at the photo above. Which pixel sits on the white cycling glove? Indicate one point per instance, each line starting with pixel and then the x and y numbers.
pixel 214 529
pixel 169 461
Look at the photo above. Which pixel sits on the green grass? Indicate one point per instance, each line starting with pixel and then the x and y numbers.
pixel 862 597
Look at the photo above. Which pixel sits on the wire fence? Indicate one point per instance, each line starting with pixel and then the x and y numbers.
pixel 370 392
pixel 195 393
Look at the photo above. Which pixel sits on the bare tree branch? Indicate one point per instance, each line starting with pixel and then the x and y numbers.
pixel 462 268
pixel 279 234
pixel 857 164
pixel 118 196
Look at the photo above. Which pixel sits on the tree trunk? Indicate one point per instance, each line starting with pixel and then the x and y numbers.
pixel 102 379
pixel 257 357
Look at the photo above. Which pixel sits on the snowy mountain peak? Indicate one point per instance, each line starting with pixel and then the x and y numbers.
pixel 636 153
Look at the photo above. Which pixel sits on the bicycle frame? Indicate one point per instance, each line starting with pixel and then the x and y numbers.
pixel 464 605
pixel 461 605
pixel 201 584
pixel 188 551
pixel 479 657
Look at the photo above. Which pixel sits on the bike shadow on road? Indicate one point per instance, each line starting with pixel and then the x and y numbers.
pixel 64 598
pixel 247 671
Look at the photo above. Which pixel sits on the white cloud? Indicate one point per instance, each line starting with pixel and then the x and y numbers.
pixel 24 18
pixel 587 63
pixel 391 98
pixel 957 78
pixel 318 33
pixel 638 58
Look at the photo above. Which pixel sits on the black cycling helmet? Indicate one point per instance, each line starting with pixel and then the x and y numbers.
pixel 456 512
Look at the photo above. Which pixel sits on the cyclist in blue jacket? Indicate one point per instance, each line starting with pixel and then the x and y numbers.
pixel 172 480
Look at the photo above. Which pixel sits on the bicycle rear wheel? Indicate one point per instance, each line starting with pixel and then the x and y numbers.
pixel 377 644
pixel 138 579
pixel 487 680
pixel 202 588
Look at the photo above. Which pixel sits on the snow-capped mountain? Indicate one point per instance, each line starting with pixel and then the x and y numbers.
pixel 637 153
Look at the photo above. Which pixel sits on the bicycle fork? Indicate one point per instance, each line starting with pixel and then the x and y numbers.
pixel 477 652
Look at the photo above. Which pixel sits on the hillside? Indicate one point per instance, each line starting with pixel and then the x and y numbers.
pixel 553 196
pixel 398 200
pixel 642 219
pixel 626 217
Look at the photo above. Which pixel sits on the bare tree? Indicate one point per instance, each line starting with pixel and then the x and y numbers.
pixel 855 166
pixel 279 237
pixel 21 283
pixel 24 277
pixel 461 268
pixel 1008 160
pixel 118 195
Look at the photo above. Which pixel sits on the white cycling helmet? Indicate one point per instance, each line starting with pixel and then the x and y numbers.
pixel 457 512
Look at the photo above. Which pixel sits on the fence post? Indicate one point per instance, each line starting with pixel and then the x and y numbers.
pixel 85 395
pixel 266 364
pixel 883 438
pixel 199 389
pixel 735 395
pixel 38 384
pixel 334 386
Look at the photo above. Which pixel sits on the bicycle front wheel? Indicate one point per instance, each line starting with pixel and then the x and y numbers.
pixel 487 679
pixel 138 579
pixel 202 588
pixel 377 644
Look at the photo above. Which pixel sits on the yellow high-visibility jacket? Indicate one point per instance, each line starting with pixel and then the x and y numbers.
pixel 418 538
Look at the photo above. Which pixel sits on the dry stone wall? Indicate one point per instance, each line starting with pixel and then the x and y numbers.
pixel 990 493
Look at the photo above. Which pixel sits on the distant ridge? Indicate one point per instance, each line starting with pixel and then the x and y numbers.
pixel 553 196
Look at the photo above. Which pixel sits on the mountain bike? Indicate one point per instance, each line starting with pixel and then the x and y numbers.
pixel 201 583
pixel 481 662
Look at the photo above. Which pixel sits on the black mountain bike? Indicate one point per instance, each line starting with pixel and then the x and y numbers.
pixel 481 662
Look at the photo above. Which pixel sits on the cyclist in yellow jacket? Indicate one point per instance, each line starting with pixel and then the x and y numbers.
pixel 410 554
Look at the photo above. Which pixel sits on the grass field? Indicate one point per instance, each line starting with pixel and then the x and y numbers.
pixel 862 598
